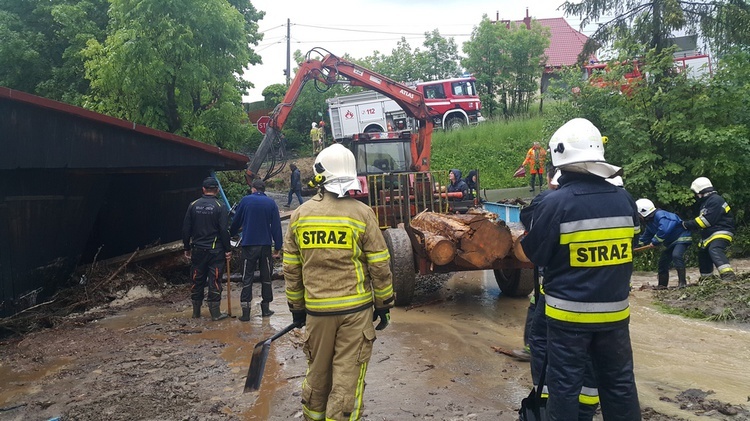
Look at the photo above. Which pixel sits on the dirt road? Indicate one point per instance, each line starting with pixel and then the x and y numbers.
pixel 143 357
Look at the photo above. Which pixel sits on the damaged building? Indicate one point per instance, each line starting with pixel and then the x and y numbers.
pixel 77 185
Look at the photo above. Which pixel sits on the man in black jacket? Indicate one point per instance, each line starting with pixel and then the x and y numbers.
pixel 295 185
pixel 716 225
pixel 205 237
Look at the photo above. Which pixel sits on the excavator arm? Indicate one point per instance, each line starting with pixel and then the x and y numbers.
pixel 331 70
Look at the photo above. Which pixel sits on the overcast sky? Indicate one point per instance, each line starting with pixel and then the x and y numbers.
pixel 359 27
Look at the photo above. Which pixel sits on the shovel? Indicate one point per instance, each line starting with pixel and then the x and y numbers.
pixel 258 361
pixel 229 291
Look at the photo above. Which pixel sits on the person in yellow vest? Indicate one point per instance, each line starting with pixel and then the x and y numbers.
pixel 535 158
pixel 338 282
pixel 315 137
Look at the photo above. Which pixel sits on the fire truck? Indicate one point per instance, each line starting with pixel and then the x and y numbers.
pixel 394 172
pixel 453 103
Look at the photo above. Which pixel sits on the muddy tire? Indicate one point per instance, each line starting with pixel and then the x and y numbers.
pixel 515 282
pixel 455 123
pixel 402 265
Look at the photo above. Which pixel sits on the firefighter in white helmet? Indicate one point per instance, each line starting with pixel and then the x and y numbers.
pixel 582 234
pixel 315 137
pixel 338 281
pixel 716 225
pixel 664 228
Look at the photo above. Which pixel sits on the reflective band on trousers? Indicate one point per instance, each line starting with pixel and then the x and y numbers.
pixel 588 395
pixel 582 312
pixel 724 235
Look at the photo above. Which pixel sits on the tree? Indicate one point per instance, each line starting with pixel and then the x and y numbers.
pixel 175 65
pixel 42 43
pixel 440 59
pixel 652 22
pixel 401 65
pixel 506 61
pixel 666 134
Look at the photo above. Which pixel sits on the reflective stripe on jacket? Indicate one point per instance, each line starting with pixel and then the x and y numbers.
pixel 336 260
pixel 664 228
pixel 714 220
pixel 583 236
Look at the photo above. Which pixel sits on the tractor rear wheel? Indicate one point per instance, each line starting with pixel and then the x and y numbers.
pixel 402 265
pixel 515 282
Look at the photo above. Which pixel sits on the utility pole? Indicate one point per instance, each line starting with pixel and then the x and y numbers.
pixel 288 52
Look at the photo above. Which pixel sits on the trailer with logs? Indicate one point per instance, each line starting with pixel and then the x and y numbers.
pixel 442 243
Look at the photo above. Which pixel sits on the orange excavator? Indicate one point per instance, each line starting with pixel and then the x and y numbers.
pixel 394 171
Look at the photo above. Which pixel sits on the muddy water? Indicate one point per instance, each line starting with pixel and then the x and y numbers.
pixel 441 351
pixel 672 354
pixel 436 359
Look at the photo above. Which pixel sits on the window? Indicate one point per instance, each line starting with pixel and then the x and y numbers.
pixel 380 157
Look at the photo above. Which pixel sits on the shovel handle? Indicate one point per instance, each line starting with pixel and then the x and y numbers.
pixel 282 332
pixel 229 291
pixel 650 246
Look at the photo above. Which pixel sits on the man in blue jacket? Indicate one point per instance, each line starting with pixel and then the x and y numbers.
pixel 665 228
pixel 582 234
pixel 258 216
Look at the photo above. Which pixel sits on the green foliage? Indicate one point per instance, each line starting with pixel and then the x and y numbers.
pixel 666 131
pixel 506 64
pixel 174 66
pixel 495 148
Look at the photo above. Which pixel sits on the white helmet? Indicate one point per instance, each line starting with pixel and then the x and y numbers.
pixel 578 146
pixel 645 207
pixel 700 184
pixel 336 165
pixel 314 125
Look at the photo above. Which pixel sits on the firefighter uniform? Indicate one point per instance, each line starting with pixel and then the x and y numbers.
pixel 582 234
pixel 336 267
pixel 716 225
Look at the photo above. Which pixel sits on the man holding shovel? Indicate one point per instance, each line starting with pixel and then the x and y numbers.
pixel 206 243
pixel 338 281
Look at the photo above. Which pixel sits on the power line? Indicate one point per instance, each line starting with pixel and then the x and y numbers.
pixel 330 28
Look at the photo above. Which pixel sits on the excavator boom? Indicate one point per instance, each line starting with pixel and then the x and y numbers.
pixel 331 70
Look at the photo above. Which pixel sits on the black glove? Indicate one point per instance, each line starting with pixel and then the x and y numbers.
pixel 385 318
pixel 299 318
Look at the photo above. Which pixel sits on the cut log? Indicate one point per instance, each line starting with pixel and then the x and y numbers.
pixel 440 249
pixel 478 240
pixel 517 249
pixel 438 224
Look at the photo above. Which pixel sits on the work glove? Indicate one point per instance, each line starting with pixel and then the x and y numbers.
pixel 299 318
pixel 385 318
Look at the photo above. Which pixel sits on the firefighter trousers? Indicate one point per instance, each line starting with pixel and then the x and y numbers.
pixel 714 254
pixel 206 267
pixel 338 349
pixel 588 400
pixel 569 349
pixel 252 257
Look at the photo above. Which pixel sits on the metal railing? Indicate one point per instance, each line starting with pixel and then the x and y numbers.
pixel 396 198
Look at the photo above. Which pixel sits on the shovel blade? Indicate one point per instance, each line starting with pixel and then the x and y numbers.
pixel 257 365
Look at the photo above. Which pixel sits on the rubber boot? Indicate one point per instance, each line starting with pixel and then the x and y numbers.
pixel 216 314
pixel 663 279
pixel 245 312
pixel 264 310
pixel 728 276
pixel 681 278
pixel 197 309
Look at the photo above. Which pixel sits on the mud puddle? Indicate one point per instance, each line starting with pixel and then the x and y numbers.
pixel 435 361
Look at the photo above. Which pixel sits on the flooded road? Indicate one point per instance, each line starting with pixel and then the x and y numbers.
pixel 435 361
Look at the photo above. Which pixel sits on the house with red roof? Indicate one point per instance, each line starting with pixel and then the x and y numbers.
pixel 566 43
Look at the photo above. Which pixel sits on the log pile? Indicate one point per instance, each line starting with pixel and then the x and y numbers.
pixel 472 240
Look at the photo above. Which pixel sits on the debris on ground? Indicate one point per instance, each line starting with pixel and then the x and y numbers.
pixel 710 299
